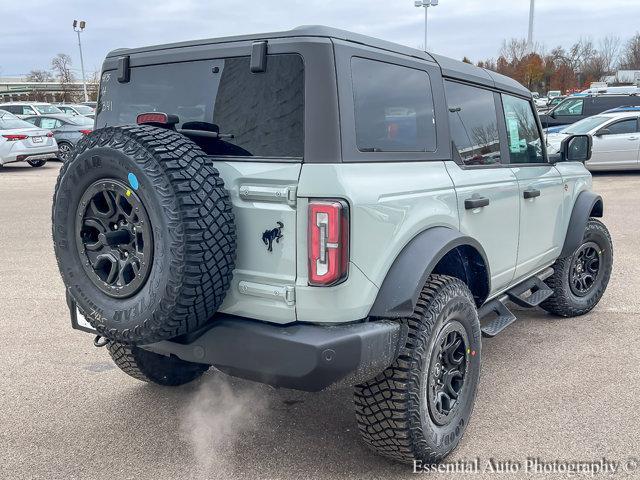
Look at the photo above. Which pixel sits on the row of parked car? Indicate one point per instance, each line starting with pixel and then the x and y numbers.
pixel 611 117
pixel 35 132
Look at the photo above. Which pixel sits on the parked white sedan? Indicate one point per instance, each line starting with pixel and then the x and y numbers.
pixel 20 141
pixel 616 139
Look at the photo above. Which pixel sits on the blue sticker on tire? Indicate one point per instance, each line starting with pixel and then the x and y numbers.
pixel 133 181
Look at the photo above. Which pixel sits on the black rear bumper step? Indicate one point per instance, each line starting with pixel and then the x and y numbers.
pixel 300 356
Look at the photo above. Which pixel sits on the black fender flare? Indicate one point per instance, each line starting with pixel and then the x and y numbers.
pixel 405 279
pixel 588 204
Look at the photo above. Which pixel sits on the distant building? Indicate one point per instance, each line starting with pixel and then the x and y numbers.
pixel 17 88
pixel 625 77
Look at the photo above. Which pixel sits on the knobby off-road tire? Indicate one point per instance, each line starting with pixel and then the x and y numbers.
pixel 596 250
pixel 394 415
pixel 172 219
pixel 152 367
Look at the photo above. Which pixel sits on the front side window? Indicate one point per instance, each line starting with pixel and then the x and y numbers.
pixel 623 127
pixel 570 107
pixel 523 134
pixel 261 114
pixel 474 123
pixel 394 109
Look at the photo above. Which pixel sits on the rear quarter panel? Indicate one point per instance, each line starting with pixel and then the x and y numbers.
pixel 390 203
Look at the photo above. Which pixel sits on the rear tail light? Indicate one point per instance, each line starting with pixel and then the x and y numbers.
pixel 157 118
pixel 49 134
pixel 86 132
pixel 328 238
pixel 15 137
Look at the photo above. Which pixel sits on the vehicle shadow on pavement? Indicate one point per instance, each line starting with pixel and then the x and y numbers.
pixel 222 427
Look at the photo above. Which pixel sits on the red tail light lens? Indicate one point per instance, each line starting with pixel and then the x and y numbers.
pixel 328 242
pixel 49 134
pixel 86 132
pixel 15 137
pixel 152 117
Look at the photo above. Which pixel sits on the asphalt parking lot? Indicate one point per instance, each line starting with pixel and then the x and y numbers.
pixel 553 389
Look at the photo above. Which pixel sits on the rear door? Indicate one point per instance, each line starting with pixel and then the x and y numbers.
pixel 487 190
pixel 616 145
pixel 259 150
pixel 541 188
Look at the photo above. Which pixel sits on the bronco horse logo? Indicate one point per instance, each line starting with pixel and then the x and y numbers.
pixel 270 235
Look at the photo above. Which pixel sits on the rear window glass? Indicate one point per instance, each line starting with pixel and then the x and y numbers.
pixel 79 120
pixel 393 108
pixel 264 112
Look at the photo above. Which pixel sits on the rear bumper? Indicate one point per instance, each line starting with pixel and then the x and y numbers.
pixel 301 357
pixel 24 157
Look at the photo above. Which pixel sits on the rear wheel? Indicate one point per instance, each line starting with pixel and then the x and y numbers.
pixel 36 163
pixel 580 280
pixel 152 367
pixel 64 150
pixel 419 407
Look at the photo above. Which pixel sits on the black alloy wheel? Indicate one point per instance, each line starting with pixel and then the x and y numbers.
pixel 447 372
pixel 585 268
pixel 114 238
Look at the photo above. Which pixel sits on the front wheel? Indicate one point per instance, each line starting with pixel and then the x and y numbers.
pixel 419 407
pixel 152 367
pixel 579 280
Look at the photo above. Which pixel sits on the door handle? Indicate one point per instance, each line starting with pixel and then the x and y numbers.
pixel 531 193
pixel 476 202
pixel 631 139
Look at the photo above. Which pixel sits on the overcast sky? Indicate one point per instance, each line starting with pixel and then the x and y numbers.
pixel 33 32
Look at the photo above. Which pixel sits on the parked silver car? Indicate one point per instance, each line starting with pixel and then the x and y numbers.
pixel 616 139
pixel 74 109
pixel 25 109
pixel 22 142
pixel 66 129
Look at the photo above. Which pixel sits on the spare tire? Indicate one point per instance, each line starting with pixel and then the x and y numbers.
pixel 143 233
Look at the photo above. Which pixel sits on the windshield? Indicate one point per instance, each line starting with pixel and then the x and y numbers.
pixel 10 122
pixel 584 126
pixel 43 109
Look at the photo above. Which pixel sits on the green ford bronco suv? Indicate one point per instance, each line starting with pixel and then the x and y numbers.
pixel 318 209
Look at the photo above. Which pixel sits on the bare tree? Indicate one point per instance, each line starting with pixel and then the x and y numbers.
pixel 61 65
pixel 609 49
pixel 630 58
pixel 39 76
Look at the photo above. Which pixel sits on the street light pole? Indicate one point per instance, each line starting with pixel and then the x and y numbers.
pixel 78 27
pixel 426 4
pixel 530 36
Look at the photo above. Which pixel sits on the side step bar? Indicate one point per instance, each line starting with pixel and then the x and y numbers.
pixel 503 316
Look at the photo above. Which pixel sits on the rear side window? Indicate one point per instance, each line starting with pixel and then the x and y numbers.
pixel 474 124
pixel 264 112
pixel 394 109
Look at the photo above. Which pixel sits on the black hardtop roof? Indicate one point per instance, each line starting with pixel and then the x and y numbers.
pixel 450 68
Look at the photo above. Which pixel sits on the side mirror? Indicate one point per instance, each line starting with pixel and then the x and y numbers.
pixel 602 132
pixel 576 148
